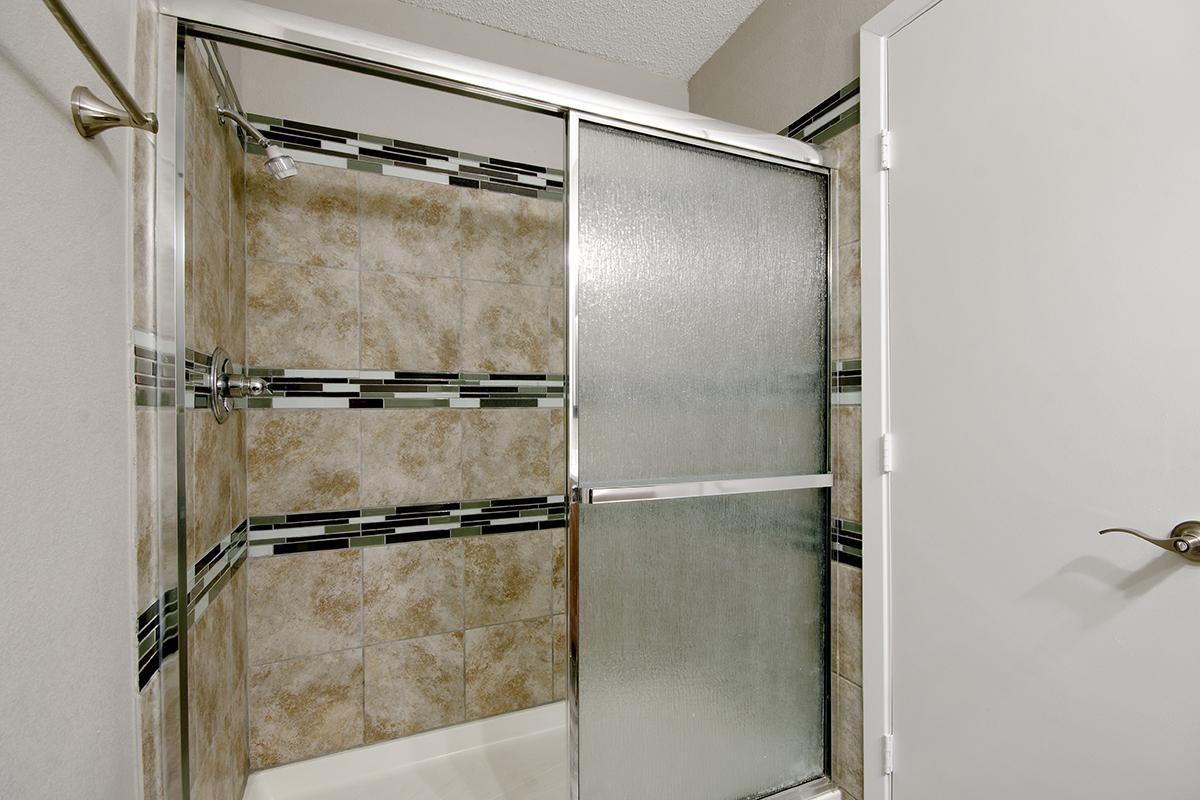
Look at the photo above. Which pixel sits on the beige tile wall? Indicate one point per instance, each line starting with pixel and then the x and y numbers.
pixel 356 270
pixel 847 481
pixel 152 753
pixel 352 270
pixel 216 462
pixel 355 646
pixel 316 460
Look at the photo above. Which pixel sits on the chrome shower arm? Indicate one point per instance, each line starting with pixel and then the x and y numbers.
pixel 279 164
pixel 236 116
pixel 220 73
pixel 92 114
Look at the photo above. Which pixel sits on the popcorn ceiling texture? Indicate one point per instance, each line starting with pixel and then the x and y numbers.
pixel 669 37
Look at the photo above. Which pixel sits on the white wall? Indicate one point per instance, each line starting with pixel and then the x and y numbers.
pixel 785 58
pixel 66 610
pixel 286 87
pixel 274 85
pixel 433 29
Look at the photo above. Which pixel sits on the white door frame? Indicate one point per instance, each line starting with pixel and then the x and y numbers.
pixel 878 755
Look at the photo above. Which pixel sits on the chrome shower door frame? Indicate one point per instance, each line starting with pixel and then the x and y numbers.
pixel 579 494
pixel 169 273
pixel 285 33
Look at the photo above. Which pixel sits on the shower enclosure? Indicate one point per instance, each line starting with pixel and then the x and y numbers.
pixel 699 467
pixel 676 390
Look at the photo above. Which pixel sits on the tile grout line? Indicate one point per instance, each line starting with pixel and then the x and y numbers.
pixel 362 468
pixel 362 635
pixel 245 667
pixel 278 263
pixel 463 591
pixel 542 617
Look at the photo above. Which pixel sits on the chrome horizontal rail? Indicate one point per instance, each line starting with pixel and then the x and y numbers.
pixel 707 488
pixel 253 25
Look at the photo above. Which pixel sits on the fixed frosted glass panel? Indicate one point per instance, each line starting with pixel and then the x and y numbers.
pixel 702 671
pixel 702 297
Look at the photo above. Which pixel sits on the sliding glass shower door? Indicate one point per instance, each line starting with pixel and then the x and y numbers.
pixel 699 468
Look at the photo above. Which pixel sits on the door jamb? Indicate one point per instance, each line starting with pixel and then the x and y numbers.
pixel 878 729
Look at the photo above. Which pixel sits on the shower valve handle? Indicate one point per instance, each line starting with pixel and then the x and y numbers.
pixel 225 385
pixel 238 386
pixel 1184 539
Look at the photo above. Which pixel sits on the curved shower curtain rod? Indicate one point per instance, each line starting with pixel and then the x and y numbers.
pixel 91 114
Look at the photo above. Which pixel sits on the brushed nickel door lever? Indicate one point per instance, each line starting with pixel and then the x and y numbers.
pixel 1184 539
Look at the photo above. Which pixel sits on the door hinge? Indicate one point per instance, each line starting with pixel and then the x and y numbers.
pixel 889 753
pixel 885 452
pixel 885 149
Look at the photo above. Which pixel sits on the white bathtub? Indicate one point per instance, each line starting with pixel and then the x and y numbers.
pixel 518 756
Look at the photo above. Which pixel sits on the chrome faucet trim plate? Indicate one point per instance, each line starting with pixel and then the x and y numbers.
pixel 226 385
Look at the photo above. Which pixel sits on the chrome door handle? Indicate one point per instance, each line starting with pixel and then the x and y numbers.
pixel 1184 539
pixel 595 495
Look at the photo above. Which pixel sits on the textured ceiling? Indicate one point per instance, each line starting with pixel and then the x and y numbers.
pixel 669 37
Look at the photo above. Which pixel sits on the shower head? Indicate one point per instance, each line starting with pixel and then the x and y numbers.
pixel 279 163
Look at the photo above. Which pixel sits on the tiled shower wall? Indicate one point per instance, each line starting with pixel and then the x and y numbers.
pixel 406 566
pixel 215 463
pixel 834 124
pixel 154 754
pixel 448 603
pixel 215 267
pixel 847 492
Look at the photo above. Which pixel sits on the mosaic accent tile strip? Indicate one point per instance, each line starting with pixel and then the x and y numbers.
pixel 847 382
pixel 153 371
pixel 156 630
pixel 366 527
pixel 351 388
pixel 157 627
pixel 828 118
pixel 213 570
pixel 196 376
pixel 333 147
pixel 148 632
pixel 846 542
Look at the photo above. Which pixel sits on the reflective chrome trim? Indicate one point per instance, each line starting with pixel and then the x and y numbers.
pixel 832 256
pixel 295 33
pixel 816 789
pixel 821 787
pixel 707 144
pixel 709 488
pixel 571 222
pixel 171 169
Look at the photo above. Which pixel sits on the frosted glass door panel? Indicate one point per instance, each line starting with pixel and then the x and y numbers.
pixel 702 671
pixel 702 304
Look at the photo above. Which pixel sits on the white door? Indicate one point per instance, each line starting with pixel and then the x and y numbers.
pixel 1044 336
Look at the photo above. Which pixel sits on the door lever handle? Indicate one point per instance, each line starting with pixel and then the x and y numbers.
pixel 1184 539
